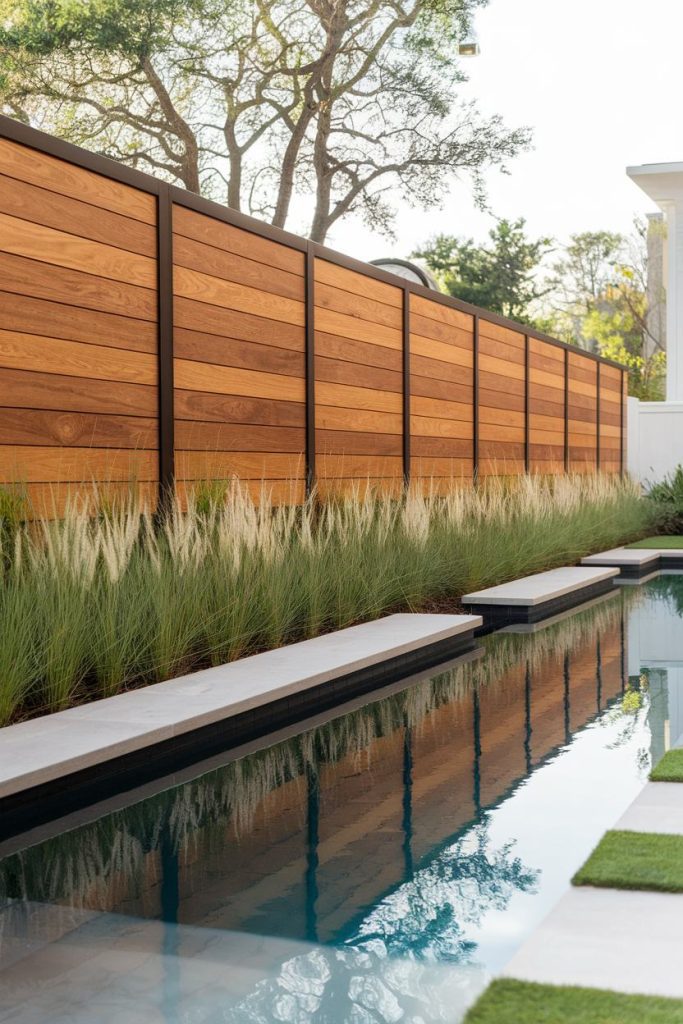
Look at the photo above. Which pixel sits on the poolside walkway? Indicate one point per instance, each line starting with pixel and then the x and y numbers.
pixel 624 940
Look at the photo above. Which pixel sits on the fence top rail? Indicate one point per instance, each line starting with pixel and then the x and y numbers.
pixel 17 131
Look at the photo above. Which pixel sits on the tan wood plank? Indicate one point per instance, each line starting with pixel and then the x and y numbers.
pixel 232 380
pixel 543 422
pixel 61 249
pixel 489 414
pixel 430 349
pixel 74 359
pixel 337 371
pixel 436 369
pixel 426 426
pixel 362 420
pixel 31 203
pixel 359 487
pixel 552 381
pixel 438 331
pixel 547 351
pixel 328 297
pixel 207 348
pixel 24 389
pixel 344 326
pixel 500 382
pixel 39 316
pixel 350 466
pixel 249 244
pixel 440 447
pixel 190 284
pixel 230 266
pixel 441 467
pixel 445 390
pixel 204 465
pixel 498 350
pixel 231 437
pixel 357 284
pixel 42 464
pixel 203 406
pixel 26 277
pixel 352 398
pixel 496 332
pixel 360 352
pixel 500 432
pixel 47 428
pixel 230 323
pixel 37 168
pixel 538 436
pixel 349 442
pixel 433 309
pixel 437 408
pixel 501 367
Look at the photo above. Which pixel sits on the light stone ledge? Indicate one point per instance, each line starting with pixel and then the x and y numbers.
pixel 627 941
pixel 632 558
pixel 47 748
pixel 658 808
pixel 542 587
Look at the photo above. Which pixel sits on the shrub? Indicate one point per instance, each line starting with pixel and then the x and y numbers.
pixel 667 497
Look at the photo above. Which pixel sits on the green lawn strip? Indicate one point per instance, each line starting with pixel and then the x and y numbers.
pixel 506 1001
pixel 658 542
pixel 670 768
pixel 635 860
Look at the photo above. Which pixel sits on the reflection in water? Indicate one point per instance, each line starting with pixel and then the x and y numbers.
pixel 431 828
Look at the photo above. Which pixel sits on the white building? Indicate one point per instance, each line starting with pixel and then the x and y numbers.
pixel 655 429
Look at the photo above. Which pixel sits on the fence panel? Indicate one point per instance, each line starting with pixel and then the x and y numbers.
pixel 78 310
pixel 149 336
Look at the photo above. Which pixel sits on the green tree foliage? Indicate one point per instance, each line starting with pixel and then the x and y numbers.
pixel 599 297
pixel 501 276
pixel 288 110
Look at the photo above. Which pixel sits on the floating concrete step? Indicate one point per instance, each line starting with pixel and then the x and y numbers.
pixel 632 562
pixel 122 740
pixel 533 598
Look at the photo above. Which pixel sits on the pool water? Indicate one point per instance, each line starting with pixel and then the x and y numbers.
pixel 380 867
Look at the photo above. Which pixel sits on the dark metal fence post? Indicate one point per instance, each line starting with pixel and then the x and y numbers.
pixel 566 410
pixel 475 398
pixel 165 341
pixel 597 417
pixel 527 446
pixel 406 386
pixel 310 367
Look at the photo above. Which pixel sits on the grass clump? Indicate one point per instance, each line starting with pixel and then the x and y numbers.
pixel 94 604
pixel 668 543
pixel 507 1001
pixel 635 860
pixel 670 768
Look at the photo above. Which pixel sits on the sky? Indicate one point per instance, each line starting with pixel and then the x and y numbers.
pixel 600 82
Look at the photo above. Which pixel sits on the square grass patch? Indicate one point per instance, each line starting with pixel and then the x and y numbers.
pixel 520 1002
pixel 635 860
pixel 658 542
pixel 670 768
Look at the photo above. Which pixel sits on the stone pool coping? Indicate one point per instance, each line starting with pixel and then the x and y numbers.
pixel 636 563
pixel 197 714
pixel 535 597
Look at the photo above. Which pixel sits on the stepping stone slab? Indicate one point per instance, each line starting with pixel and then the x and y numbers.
pixel 658 808
pixel 632 562
pixel 627 941
pixel 533 598
pixel 285 681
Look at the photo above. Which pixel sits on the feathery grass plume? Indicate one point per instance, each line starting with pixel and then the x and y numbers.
pixel 110 596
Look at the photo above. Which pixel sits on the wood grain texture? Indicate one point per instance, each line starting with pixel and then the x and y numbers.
pixel 191 284
pixel 369 309
pixel 362 420
pixel 206 465
pixel 75 359
pixel 455 467
pixel 445 390
pixel 441 351
pixel 217 408
pixel 345 326
pixel 446 447
pixel 47 427
pixel 25 389
pixel 439 331
pixel 230 323
pixel 44 464
pixel 433 309
pixel 355 466
pixel 49 246
pixel 357 284
pixel 209 435
pixel 349 442
pixel 217 233
pixel 207 348
pixel 66 179
pixel 19 275
pixel 352 398
pixel 229 266
pixel 425 426
pixel 231 380
pixel 359 353
pixel 439 409
pixel 30 203
pixel 27 315
pixel 338 371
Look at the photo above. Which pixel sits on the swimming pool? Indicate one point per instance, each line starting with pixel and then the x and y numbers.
pixel 380 866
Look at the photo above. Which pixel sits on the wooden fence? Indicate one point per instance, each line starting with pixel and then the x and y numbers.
pixel 148 334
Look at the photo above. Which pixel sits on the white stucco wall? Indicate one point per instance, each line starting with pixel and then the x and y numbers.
pixel 655 439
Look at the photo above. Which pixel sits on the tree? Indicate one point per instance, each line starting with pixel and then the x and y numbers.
pixel 501 276
pixel 266 105
pixel 600 302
